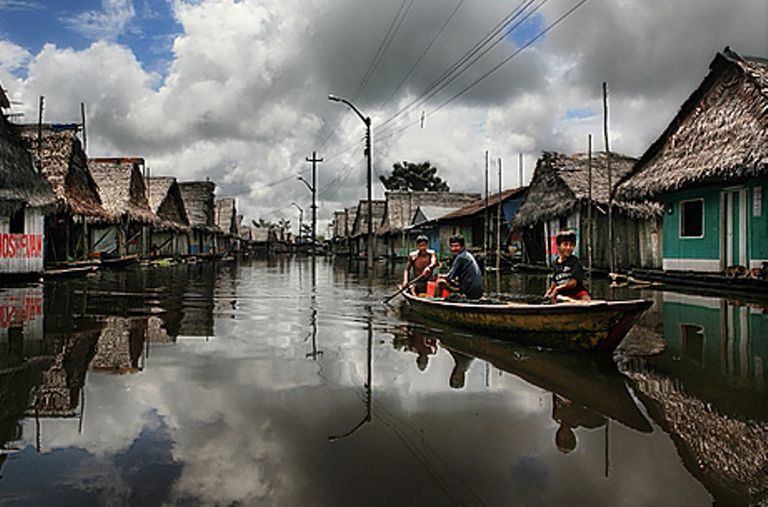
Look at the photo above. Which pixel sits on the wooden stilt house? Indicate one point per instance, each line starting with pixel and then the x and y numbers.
pixel 399 209
pixel 123 191
pixel 562 194
pixel 25 198
pixel 199 203
pixel 359 234
pixel 709 169
pixel 226 220
pixel 59 156
pixel 171 232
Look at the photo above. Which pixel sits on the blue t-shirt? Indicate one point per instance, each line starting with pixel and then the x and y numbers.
pixel 465 269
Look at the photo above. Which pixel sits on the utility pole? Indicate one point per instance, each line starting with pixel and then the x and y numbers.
pixel 520 169
pixel 610 183
pixel 369 157
pixel 314 160
pixel 85 135
pixel 40 109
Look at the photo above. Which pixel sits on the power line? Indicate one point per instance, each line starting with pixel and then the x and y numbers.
pixel 423 53
pixel 494 68
pixel 454 69
pixel 393 28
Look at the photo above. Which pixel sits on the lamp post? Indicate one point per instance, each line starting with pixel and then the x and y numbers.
pixel 368 155
pixel 301 220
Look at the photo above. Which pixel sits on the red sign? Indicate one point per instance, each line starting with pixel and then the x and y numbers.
pixel 21 246
pixel 15 310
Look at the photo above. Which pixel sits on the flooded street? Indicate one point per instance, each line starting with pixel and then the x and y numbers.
pixel 270 383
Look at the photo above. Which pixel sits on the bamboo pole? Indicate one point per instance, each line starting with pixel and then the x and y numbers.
pixel 611 260
pixel 498 224
pixel 487 221
pixel 590 243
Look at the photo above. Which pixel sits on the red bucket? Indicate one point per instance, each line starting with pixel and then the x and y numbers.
pixel 432 287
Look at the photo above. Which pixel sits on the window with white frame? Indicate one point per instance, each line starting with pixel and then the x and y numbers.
pixel 692 218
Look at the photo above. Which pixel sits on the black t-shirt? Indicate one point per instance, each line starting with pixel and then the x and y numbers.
pixel 570 268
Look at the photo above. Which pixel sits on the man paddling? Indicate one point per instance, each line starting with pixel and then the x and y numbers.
pixel 421 262
pixel 464 271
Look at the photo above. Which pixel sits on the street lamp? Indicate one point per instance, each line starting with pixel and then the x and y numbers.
pixel 368 154
pixel 301 220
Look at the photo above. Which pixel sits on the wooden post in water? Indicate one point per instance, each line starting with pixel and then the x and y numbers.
pixel 487 222
pixel 611 261
pixel 589 210
pixel 498 224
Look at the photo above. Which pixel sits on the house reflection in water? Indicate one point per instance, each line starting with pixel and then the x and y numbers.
pixel 708 393
pixel 722 338
pixel 121 345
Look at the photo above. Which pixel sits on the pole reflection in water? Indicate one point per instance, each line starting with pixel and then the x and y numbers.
pixel 313 314
pixel 368 386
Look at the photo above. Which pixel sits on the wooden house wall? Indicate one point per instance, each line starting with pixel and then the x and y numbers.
pixel 182 244
pixel 106 239
pixel 164 242
pixel 23 252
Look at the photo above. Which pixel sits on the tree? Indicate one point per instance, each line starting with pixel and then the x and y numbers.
pixel 417 177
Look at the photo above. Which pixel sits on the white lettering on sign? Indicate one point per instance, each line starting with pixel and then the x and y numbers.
pixel 757 202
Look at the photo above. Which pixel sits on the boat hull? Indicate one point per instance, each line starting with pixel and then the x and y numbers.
pixel 597 326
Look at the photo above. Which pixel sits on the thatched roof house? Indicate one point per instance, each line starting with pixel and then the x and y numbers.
pixel 20 183
pixel 199 203
pixel 59 156
pixel 401 205
pixel 479 204
pixel 122 188
pixel 561 182
pixel 719 134
pixel 166 203
pixel 360 226
pixel 226 215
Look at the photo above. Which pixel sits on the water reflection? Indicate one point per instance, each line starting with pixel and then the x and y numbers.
pixel 104 389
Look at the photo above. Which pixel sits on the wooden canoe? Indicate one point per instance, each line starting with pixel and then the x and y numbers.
pixel 595 326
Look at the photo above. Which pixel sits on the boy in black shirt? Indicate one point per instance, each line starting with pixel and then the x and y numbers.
pixel 568 276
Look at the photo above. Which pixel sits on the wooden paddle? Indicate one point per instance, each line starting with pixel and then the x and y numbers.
pixel 403 289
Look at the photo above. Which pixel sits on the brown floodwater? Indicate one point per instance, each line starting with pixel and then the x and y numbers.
pixel 267 382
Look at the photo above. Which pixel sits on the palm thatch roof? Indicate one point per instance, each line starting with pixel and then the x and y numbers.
pixel 401 206
pixel 728 455
pixel 198 201
pixel 226 215
pixel 4 102
pixel 561 182
pixel 20 183
pixel 361 218
pixel 122 188
pixel 59 156
pixel 166 203
pixel 719 134
pixel 479 204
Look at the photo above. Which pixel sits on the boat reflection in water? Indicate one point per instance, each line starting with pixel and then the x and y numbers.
pixel 708 393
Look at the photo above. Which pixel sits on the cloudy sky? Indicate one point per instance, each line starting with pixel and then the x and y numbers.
pixel 236 90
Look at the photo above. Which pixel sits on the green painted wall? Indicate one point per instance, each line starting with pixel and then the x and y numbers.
pixel 758 241
pixel 707 247
pixel 718 355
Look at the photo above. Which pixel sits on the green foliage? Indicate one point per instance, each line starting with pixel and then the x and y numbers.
pixel 416 177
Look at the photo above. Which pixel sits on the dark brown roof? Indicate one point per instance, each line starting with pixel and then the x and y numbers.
pixel 478 206
pixel 198 201
pixel 20 183
pixel 166 203
pixel 121 187
pixel 560 182
pixel 60 158
pixel 719 134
